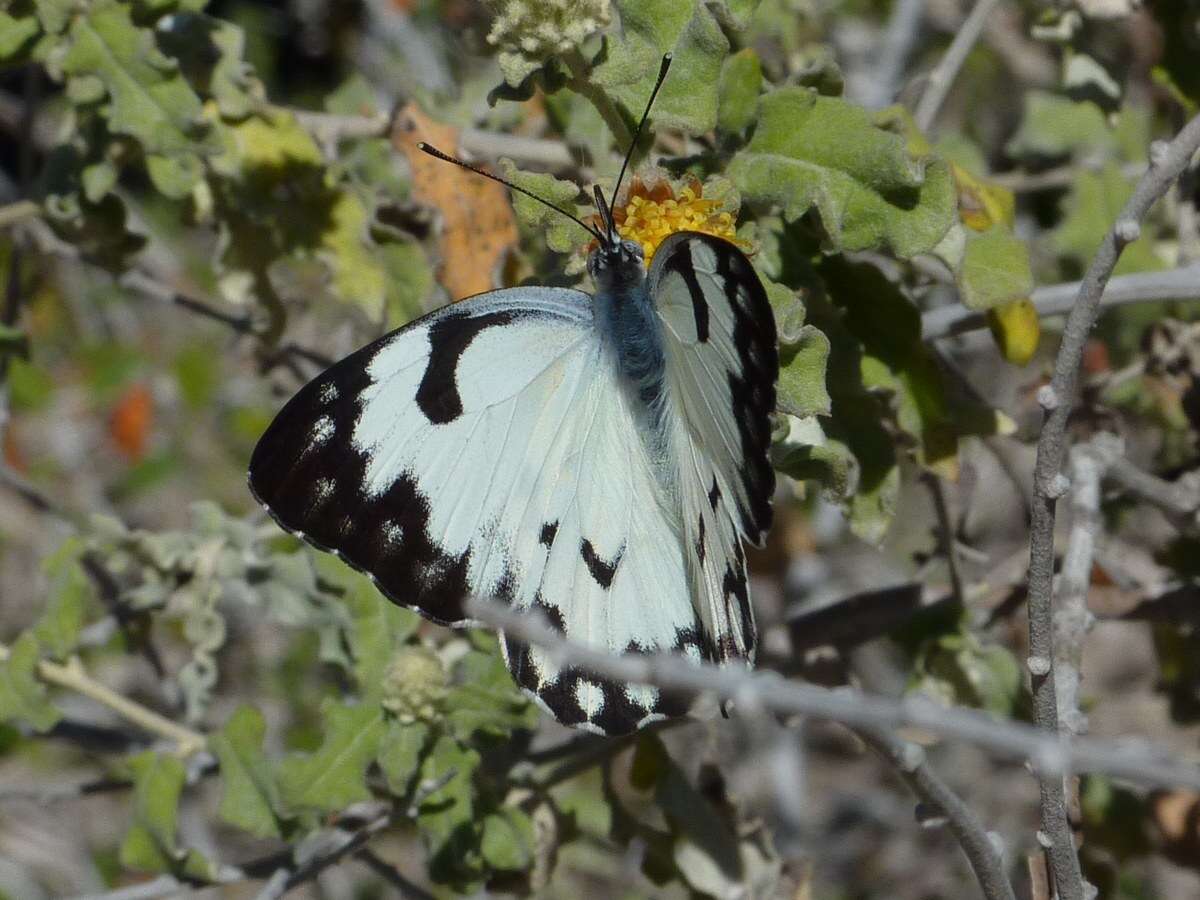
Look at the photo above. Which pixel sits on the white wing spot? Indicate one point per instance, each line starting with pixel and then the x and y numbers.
pixel 323 489
pixel 643 695
pixel 393 532
pixel 322 429
pixel 589 697
pixel 328 393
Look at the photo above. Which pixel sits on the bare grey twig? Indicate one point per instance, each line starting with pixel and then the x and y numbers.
pixel 982 850
pixel 1072 620
pixel 1055 300
pixel 938 84
pixel 1053 753
pixel 884 80
pixel 1178 499
pixel 1057 398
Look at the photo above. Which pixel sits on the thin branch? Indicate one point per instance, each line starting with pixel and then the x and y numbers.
pixel 1057 399
pixel 148 285
pixel 1056 300
pixel 1052 753
pixel 73 676
pixel 582 84
pixel 392 875
pixel 946 535
pixel 1061 176
pixel 1178 499
pixel 1072 621
pixel 342 843
pixel 980 847
pixel 938 84
pixel 18 211
pixel 329 129
pixel 56 793
pixel 903 27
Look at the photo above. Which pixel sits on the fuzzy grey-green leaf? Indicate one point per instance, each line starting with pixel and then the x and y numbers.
pixel 650 28
pixel 810 151
pixel 22 696
pixel 741 82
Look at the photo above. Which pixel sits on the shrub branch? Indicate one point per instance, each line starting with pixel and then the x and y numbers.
pixel 1168 163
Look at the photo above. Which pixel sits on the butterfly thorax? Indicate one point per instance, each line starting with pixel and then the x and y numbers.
pixel 631 330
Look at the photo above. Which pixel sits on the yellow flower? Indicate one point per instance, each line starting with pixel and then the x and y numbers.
pixel 652 213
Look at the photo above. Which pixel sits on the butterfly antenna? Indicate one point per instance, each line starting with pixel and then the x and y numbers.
pixel 662 76
pixel 446 157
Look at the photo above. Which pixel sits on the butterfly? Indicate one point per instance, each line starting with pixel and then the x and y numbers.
pixel 601 459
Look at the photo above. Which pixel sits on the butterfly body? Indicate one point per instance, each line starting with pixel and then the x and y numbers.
pixel 600 460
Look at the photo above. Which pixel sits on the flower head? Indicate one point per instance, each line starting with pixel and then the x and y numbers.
pixel 414 685
pixel 651 211
pixel 527 32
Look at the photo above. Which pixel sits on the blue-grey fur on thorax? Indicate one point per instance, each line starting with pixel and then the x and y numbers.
pixel 630 327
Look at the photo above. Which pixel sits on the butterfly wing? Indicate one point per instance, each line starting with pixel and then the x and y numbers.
pixel 402 457
pixel 488 450
pixel 721 366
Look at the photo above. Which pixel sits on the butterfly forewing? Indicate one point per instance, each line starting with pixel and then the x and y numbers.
pixel 401 457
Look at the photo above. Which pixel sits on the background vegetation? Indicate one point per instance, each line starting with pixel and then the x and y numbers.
pixel 202 203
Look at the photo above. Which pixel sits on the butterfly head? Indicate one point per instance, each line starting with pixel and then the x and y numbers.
pixel 616 263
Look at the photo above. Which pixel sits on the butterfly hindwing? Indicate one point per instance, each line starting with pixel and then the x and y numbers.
pixel 721 366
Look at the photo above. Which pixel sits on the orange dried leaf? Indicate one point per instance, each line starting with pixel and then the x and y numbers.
pixel 129 424
pixel 13 457
pixel 478 224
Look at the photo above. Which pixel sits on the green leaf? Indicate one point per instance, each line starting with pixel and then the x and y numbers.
pixel 1095 201
pixel 1053 126
pixel 508 842
pixel 738 12
pixel 486 700
pixel 400 754
pixel 1179 21
pixel 650 28
pixel 13 342
pixel 335 775
pixel 148 98
pixel 249 795
pixel 804 452
pixel 738 90
pixel 275 202
pixel 16 36
pixel 409 279
pixel 801 389
pixel 22 696
pixel 377 629
pixel 54 14
pixel 149 844
pixel 211 53
pixel 819 152
pixel 446 817
pixel 66 600
pixel 560 234
pixel 995 269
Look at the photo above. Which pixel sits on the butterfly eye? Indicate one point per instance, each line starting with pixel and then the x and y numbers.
pixel 634 249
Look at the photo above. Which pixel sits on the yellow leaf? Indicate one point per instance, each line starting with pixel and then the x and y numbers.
pixel 1016 328
pixel 982 203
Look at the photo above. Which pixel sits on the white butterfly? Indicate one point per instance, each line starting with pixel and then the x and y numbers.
pixel 598 458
